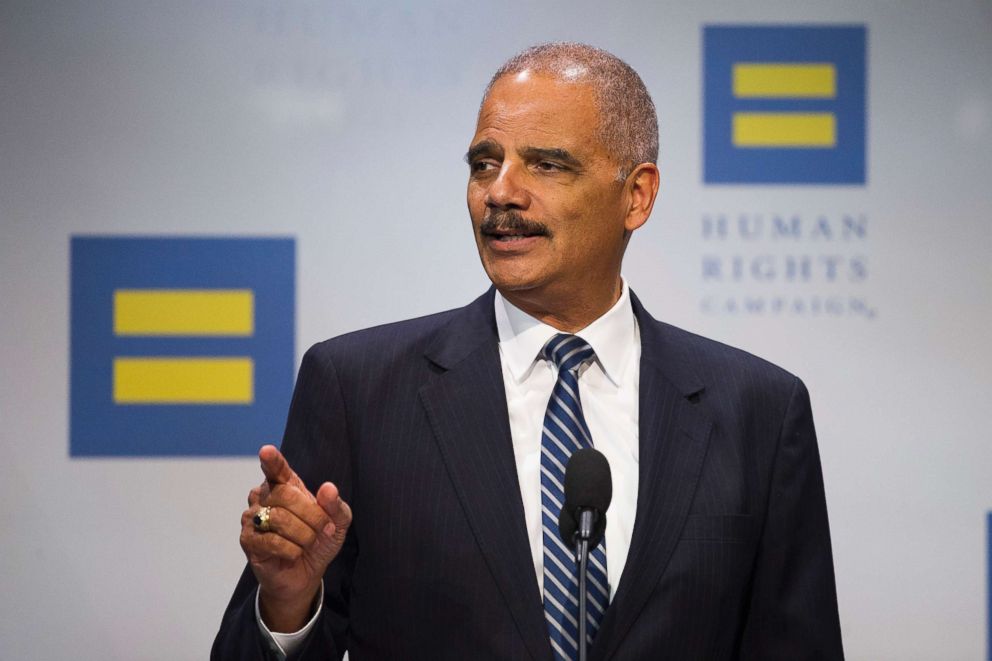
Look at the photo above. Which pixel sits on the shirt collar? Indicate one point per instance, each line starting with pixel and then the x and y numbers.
pixel 521 337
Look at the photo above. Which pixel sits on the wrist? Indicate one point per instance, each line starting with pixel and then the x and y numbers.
pixel 287 614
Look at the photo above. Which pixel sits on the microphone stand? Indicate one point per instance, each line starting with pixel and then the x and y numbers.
pixel 587 520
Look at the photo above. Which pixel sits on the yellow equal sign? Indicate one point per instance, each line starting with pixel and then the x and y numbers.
pixel 797 130
pixel 184 312
pixel 183 380
pixel 798 80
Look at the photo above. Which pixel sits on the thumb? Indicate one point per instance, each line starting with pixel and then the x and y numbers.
pixel 330 500
pixel 331 538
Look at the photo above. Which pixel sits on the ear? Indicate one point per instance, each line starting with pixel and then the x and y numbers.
pixel 642 187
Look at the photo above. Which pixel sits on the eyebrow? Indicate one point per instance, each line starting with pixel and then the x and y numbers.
pixel 551 153
pixel 484 148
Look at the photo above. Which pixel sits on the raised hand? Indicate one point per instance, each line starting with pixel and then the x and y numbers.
pixel 300 534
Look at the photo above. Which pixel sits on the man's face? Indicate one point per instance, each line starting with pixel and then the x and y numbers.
pixel 548 213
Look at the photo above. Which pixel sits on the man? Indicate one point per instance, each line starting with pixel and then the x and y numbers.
pixel 410 517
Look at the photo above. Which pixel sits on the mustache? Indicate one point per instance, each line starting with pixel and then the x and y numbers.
pixel 513 223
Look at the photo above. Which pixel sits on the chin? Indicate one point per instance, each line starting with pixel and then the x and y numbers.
pixel 514 281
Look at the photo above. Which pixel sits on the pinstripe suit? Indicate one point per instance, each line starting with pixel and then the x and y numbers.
pixel 730 554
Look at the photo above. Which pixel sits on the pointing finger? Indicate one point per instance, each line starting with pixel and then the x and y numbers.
pixel 275 467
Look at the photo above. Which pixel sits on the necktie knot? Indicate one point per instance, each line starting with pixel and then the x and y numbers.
pixel 567 352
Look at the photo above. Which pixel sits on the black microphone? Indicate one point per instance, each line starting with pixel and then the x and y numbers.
pixel 582 522
pixel 588 491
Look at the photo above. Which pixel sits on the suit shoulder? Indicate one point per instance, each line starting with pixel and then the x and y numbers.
pixel 714 360
pixel 409 337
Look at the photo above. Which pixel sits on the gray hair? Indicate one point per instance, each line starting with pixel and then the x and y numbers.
pixel 628 124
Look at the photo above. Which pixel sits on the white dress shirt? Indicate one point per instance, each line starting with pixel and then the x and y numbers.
pixel 608 389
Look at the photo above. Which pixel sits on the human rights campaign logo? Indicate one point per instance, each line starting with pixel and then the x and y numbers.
pixel 784 105
pixel 180 346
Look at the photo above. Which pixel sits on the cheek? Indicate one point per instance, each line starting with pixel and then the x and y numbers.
pixel 475 197
pixel 605 213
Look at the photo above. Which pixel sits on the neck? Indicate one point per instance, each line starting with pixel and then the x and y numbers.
pixel 567 312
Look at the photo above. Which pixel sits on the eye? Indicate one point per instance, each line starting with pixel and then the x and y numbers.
pixel 549 166
pixel 483 165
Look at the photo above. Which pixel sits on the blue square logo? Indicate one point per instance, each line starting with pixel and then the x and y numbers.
pixel 180 346
pixel 784 104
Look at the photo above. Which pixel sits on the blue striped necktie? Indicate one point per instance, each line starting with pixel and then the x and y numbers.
pixel 565 431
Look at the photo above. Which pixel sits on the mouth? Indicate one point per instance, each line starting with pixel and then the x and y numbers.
pixel 509 237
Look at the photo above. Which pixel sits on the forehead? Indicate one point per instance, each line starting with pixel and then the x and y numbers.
pixel 535 109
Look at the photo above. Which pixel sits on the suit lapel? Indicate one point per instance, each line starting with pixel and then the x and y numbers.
pixel 674 434
pixel 466 406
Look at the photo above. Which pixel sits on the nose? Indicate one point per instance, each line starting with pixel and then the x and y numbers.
pixel 509 189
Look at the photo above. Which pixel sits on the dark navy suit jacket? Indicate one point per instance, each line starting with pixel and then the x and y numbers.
pixel 730 553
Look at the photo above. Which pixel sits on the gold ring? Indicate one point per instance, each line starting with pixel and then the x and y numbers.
pixel 261 519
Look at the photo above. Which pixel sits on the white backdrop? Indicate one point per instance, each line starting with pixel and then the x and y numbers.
pixel 343 124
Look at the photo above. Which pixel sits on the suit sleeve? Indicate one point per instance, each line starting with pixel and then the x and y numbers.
pixel 793 608
pixel 316 446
